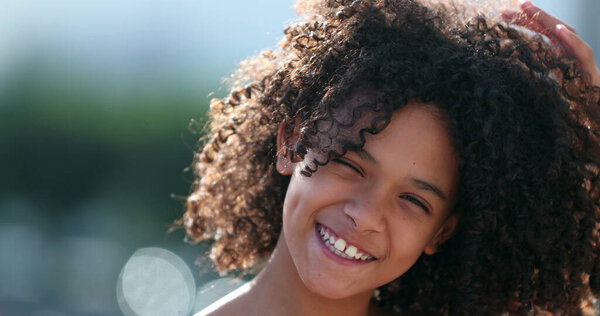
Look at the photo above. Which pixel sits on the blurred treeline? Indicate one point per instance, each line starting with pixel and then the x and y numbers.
pixel 96 99
pixel 87 173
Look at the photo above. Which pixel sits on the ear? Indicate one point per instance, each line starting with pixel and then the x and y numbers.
pixel 444 233
pixel 285 164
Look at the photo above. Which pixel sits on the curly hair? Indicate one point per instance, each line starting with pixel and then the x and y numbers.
pixel 525 122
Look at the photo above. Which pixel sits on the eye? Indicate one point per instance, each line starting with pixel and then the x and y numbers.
pixel 416 202
pixel 349 165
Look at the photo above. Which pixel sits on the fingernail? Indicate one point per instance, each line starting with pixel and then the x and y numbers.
pixel 561 28
pixel 525 3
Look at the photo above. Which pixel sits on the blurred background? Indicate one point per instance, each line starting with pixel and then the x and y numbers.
pixel 95 102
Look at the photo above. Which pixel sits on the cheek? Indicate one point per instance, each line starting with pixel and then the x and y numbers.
pixel 309 194
pixel 408 239
pixel 290 206
pixel 291 200
pixel 299 203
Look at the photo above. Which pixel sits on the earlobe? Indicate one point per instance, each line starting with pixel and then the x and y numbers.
pixel 443 234
pixel 284 165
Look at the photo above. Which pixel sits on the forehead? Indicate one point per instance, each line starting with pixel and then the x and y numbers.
pixel 417 145
pixel 418 126
pixel 346 120
pixel 342 121
pixel 349 124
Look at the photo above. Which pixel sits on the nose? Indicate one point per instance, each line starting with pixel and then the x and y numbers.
pixel 366 211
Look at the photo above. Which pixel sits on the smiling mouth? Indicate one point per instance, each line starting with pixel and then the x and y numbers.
pixel 340 247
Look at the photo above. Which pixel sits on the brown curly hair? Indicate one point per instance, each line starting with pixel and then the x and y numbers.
pixel 524 119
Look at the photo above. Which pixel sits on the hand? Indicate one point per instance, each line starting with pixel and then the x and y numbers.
pixel 537 20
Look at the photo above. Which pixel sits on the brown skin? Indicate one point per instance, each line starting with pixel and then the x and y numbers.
pixel 375 204
pixel 563 35
pixel 381 209
pixel 270 294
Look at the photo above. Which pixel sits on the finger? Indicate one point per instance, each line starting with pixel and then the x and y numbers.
pixel 545 19
pixel 521 19
pixel 579 49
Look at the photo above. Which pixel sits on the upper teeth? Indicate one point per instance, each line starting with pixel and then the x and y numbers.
pixel 340 244
pixel 340 247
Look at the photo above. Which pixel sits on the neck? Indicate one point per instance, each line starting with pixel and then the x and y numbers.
pixel 278 290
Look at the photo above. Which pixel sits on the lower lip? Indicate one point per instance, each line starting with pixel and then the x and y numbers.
pixel 335 257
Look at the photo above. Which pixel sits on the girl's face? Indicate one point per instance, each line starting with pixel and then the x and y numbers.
pixel 363 220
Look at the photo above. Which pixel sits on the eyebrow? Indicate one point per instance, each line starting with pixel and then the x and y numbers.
pixel 362 153
pixel 424 185
pixel 421 184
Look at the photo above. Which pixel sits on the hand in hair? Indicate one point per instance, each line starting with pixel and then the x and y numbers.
pixel 565 36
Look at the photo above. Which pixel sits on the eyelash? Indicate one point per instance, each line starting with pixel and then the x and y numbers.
pixel 416 201
pixel 349 165
pixel 409 198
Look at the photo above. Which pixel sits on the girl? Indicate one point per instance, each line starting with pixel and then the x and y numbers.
pixel 406 157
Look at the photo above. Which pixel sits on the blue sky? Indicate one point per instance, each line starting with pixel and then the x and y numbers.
pixel 180 41
pixel 133 36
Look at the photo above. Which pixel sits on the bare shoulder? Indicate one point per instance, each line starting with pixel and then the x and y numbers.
pixel 230 304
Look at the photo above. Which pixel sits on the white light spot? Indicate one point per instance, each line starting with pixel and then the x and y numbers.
pixel 155 281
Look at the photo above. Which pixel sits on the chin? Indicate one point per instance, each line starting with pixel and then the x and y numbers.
pixel 332 289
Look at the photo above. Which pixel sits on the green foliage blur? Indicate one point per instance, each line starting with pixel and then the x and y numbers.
pixel 96 100
pixel 91 168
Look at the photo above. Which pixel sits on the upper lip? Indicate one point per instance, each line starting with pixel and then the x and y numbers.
pixel 350 241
